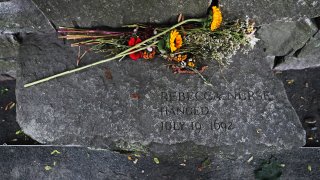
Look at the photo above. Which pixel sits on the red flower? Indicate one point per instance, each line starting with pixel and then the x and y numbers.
pixel 132 42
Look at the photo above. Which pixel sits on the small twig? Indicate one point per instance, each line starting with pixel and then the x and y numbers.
pixel 81 56
pixel 121 58
pixel 223 75
pixel 9 106
pixel 202 77
pixel 73 30
pixel 76 37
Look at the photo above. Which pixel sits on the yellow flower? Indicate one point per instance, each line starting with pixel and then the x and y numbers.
pixel 216 18
pixel 175 40
pixel 191 64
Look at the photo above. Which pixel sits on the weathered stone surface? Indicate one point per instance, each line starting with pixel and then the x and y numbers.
pixel 9 48
pixel 8 67
pixel 117 13
pixel 88 109
pixel 266 11
pixel 307 57
pixel 311 49
pixel 284 38
pixel 22 16
pixel 82 163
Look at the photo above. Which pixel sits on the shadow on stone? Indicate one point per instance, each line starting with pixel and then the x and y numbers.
pixel 10 131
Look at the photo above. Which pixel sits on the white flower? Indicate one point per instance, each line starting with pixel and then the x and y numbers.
pixel 183 64
pixel 149 49
pixel 252 39
pixel 136 30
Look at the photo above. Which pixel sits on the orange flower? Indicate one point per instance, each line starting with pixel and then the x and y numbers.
pixel 178 58
pixel 216 18
pixel 149 55
pixel 175 40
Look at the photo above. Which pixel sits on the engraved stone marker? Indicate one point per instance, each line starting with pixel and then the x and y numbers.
pixel 143 102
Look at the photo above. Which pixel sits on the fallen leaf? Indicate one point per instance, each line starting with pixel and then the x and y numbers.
pixel 309 168
pixel 250 159
pixel 55 152
pixel 156 160
pixel 135 96
pixel 47 168
pixel 9 106
pixel 290 82
pixel 19 132
pixel 4 91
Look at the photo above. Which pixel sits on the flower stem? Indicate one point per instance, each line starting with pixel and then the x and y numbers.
pixel 124 53
pixel 87 66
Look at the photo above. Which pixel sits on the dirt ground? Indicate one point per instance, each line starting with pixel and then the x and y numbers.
pixel 303 90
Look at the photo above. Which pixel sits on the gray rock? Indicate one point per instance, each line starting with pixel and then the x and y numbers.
pixel 312 48
pixel 284 38
pixel 82 163
pixel 9 48
pixel 116 13
pixel 86 108
pixel 307 56
pixel 266 11
pixel 22 16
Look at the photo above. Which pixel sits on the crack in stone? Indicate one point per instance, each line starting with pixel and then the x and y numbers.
pixel 281 59
pixel 316 21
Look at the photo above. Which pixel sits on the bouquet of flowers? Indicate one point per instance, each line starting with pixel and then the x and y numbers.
pixel 187 46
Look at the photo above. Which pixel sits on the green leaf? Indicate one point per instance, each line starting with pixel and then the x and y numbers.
pixel 4 91
pixel 269 170
pixel 19 132
pixel 309 168
pixel 167 41
pixel 161 46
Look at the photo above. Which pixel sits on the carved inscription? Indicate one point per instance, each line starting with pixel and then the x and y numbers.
pixel 171 108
